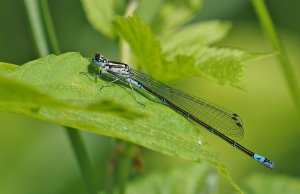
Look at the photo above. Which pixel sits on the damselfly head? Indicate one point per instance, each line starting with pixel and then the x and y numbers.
pixel 99 59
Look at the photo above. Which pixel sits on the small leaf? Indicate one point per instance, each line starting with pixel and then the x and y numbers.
pixel 189 179
pixel 272 184
pixel 101 13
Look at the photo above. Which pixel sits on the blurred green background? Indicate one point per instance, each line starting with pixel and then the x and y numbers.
pixel 36 156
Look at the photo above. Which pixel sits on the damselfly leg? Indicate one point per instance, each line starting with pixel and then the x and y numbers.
pixel 135 95
pixel 111 83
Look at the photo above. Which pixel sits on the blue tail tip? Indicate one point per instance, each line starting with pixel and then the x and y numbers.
pixel 266 162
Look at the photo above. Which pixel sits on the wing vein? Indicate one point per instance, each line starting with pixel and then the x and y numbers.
pixel 217 117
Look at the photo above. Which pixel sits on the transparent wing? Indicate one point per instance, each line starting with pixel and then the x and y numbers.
pixel 219 118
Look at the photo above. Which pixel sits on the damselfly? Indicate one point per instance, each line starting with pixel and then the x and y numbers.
pixel 214 118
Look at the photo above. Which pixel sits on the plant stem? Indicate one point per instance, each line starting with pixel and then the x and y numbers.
pixel 268 26
pixel 38 33
pixel 53 43
pixel 123 167
pixel 83 160
pixel 43 30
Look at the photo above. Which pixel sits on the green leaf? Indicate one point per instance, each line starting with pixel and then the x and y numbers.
pixel 222 65
pixel 143 43
pixel 194 35
pixel 172 14
pixel 101 13
pixel 59 77
pixel 16 96
pixel 149 9
pixel 7 67
pixel 190 57
pixel 188 179
pixel 272 184
pixel 162 130
pixel 20 96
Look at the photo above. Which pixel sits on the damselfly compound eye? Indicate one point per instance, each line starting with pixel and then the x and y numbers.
pixel 97 57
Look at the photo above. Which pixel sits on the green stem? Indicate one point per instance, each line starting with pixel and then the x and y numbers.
pixel 43 30
pixel 38 33
pixel 53 43
pixel 83 160
pixel 268 26
pixel 123 167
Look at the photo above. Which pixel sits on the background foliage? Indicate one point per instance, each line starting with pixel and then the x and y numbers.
pixel 35 155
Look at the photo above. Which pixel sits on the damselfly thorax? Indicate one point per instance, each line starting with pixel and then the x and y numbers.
pixel 120 70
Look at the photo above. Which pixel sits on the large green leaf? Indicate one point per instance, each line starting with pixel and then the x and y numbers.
pixel 162 129
pixel 59 78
